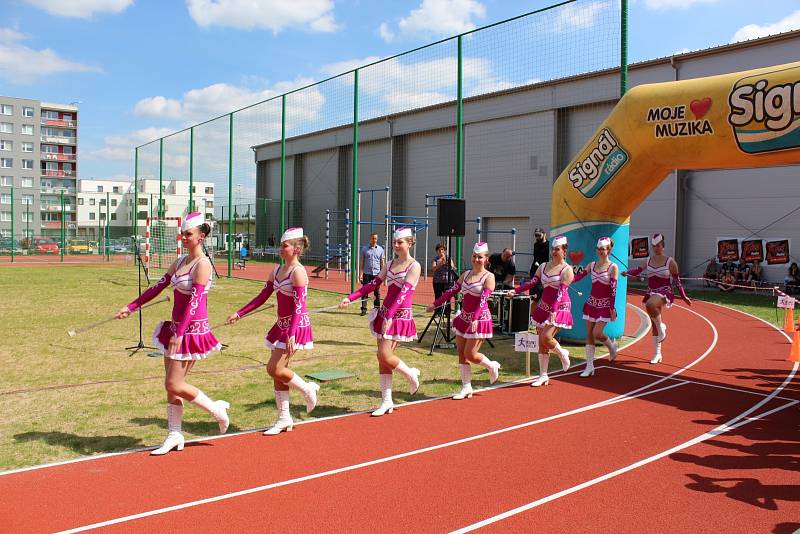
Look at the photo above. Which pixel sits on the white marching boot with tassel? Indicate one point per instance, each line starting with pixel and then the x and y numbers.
pixel 284 422
pixel 387 405
pixel 466 382
pixel 174 439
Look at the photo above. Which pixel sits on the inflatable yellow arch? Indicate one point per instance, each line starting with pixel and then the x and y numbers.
pixel 745 119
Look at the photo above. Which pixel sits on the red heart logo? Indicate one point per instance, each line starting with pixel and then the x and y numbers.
pixel 576 256
pixel 700 107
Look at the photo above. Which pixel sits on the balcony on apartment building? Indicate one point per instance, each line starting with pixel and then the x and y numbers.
pixel 52 156
pixel 57 190
pixel 60 140
pixel 60 123
pixel 57 173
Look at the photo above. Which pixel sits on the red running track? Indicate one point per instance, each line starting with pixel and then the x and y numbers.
pixel 620 451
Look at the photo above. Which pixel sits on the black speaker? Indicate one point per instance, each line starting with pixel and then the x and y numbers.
pixel 451 214
pixel 516 314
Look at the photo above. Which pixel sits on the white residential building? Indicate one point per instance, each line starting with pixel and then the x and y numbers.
pixel 113 200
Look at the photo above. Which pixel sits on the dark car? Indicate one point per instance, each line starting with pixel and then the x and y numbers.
pixel 6 243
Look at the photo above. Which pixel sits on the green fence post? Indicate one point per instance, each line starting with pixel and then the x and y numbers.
pixel 135 210
pixel 161 178
pixel 108 225
pixel 230 194
pixel 99 229
pixel 623 79
pixel 354 202
pixel 191 169
pixel 27 224
pixel 12 224
pixel 62 225
pixel 459 140
pixel 283 167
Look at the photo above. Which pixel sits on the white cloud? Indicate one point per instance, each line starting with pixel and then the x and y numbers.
pixel 21 64
pixel 579 16
pixel 675 4
pixel 753 31
pixel 121 147
pixel 82 9
pixel 158 106
pixel 385 32
pixel 275 15
pixel 436 18
pixel 394 85
pixel 201 104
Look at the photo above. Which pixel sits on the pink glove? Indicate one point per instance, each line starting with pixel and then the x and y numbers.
pixel 299 295
pixel 447 295
pixel 530 284
pixel 365 290
pixel 258 300
pixel 188 313
pixel 636 271
pixel 151 293
pixel 580 276
pixel 394 306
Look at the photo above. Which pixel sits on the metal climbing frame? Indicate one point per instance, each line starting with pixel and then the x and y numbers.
pixel 371 221
pixel 337 249
pixel 509 231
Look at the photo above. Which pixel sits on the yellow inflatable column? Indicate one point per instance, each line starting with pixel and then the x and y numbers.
pixel 746 119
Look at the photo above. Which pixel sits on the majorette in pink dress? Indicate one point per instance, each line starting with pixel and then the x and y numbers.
pixel 293 317
pixel 474 306
pixel 397 305
pixel 598 306
pixel 189 315
pixel 554 306
pixel 659 281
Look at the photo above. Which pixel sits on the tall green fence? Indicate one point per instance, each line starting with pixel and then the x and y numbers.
pixel 490 116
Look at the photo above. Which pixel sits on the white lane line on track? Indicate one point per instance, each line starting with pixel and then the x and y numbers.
pixel 416 452
pixel 696 382
pixel 736 422
pixel 204 439
pixel 740 420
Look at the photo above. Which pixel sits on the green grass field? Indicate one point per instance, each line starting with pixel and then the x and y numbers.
pixel 66 397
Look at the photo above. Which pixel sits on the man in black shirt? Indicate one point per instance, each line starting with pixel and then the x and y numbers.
pixel 503 268
pixel 541 253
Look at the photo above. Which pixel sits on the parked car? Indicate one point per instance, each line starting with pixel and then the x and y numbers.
pixel 79 246
pixel 6 243
pixel 120 246
pixel 43 245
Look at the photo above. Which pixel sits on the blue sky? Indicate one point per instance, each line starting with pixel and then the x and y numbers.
pixel 143 68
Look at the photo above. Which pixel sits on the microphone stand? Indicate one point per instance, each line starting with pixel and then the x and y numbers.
pixel 214 267
pixel 139 268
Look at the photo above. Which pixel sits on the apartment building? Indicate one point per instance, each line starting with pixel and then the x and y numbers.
pixel 38 160
pixel 101 202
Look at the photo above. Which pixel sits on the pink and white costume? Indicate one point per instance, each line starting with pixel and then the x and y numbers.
pixel 554 307
pixel 293 317
pixel 474 306
pixel 659 281
pixel 604 292
pixel 396 305
pixel 189 315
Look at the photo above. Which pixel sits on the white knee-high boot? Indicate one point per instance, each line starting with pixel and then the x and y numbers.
pixel 661 328
pixel 492 366
pixel 543 380
pixel 284 421
pixel 387 405
pixel 563 355
pixel 589 371
pixel 219 409
pixel 657 346
pixel 466 382
pixel 612 349
pixel 174 437
pixel 308 389
pixel 411 373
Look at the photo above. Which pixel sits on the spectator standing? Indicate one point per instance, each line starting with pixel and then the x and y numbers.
pixel 373 258
pixel 541 253
pixel 442 279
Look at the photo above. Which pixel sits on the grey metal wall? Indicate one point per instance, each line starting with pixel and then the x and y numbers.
pixel 738 203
